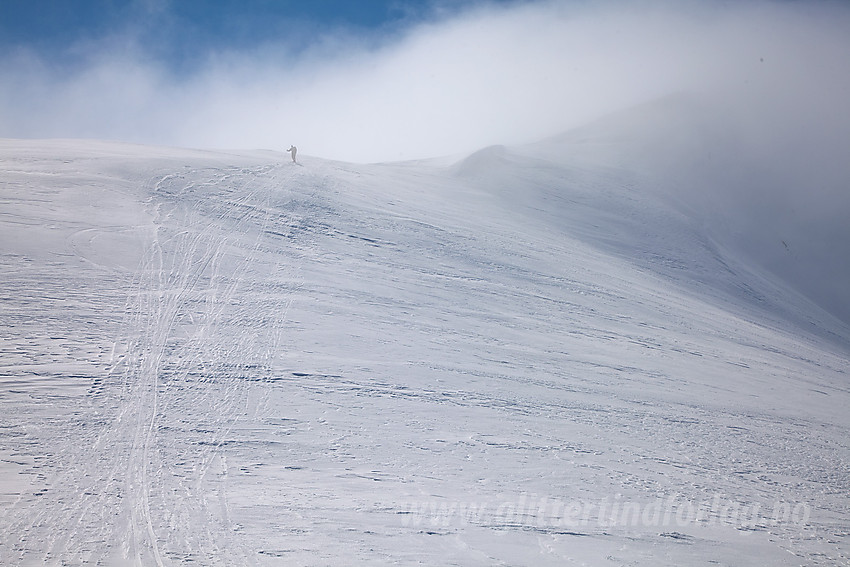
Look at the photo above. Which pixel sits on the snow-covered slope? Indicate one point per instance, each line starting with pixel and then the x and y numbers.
pixel 525 357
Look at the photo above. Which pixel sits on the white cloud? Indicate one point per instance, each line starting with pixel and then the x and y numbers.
pixel 493 74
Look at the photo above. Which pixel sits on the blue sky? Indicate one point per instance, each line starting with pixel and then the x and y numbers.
pixel 181 33
pixel 58 23
pixel 387 80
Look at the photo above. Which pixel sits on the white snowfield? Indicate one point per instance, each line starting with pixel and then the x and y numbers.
pixel 521 357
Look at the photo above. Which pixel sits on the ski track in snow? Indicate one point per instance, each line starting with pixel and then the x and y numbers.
pixel 222 360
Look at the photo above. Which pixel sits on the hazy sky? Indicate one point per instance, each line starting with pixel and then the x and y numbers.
pixel 386 80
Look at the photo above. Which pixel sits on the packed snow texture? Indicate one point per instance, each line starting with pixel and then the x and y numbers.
pixel 528 356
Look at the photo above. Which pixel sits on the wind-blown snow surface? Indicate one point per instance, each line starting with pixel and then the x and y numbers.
pixel 522 358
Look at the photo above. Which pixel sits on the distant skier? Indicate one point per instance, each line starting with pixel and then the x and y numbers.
pixel 293 150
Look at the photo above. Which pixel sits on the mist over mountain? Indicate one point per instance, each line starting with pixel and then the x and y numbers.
pixel 451 82
pixel 750 204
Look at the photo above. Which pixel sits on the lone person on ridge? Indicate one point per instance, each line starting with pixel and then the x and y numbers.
pixel 293 150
